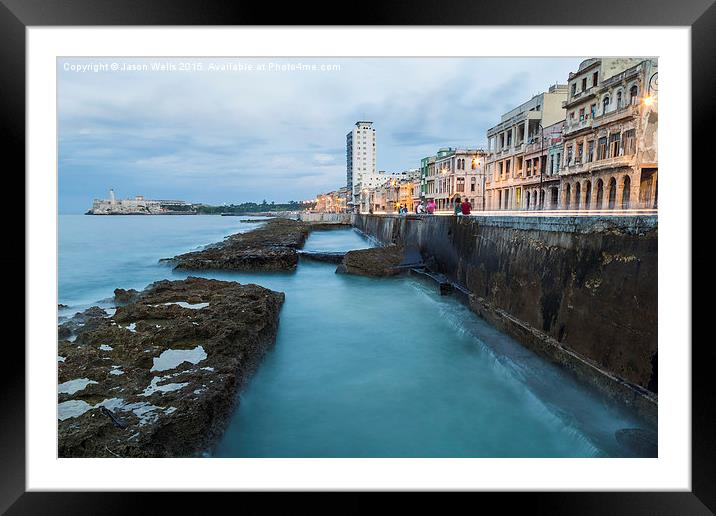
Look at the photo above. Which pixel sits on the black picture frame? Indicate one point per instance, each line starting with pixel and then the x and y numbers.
pixel 17 15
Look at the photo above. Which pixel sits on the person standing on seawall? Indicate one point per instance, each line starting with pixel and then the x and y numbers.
pixel 431 207
pixel 465 207
pixel 458 206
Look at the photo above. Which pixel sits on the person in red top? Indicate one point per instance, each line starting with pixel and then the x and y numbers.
pixel 466 207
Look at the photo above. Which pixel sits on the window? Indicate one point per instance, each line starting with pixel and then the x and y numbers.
pixel 602 148
pixel 605 105
pixel 473 181
pixel 590 151
pixel 574 88
pixel 569 155
pixel 593 110
pixel 581 114
pixel 595 78
pixel 633 95
pixel 614 143
pixel 629 142
pixel 584 84
pixel 619 100
pixel 580 151
pixel 460 184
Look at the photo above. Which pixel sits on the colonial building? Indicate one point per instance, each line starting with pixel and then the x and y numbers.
pixel 371 199
pixel 610 135
pixel 454 173
pixel 332 202
pixel 360 157
pixel 542 161
pixel 517 153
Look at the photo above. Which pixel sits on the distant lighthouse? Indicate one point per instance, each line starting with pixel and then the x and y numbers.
pixel 112 200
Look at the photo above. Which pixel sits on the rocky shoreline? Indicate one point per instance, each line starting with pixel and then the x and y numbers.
pixel 159 376
pixel 269 248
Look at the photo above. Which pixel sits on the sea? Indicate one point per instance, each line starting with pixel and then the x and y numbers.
pixel 361 367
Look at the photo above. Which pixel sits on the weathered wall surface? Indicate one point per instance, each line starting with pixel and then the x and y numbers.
pixel 588 285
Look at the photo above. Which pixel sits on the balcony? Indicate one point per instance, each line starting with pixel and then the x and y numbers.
pixel 630 110
pixel 616 161
pixel 577 125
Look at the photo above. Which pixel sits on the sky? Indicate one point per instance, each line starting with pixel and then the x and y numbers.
pixel 221 131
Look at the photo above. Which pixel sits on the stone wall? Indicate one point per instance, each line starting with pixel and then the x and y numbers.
pixel 572 288
pixel 337 218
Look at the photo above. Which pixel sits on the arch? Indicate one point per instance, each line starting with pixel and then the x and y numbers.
pixel 626 188
pixel 577 195
pixel 612 191
pixel 600 195
pixel 587 195
pixel 568 197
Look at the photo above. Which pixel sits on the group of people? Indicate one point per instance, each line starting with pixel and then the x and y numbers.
pixel 461 207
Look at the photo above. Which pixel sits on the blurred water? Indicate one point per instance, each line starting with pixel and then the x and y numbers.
pixel 362 367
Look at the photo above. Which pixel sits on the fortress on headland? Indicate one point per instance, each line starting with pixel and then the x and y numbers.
pixel 139 206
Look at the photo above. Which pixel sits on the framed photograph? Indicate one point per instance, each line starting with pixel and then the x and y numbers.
pixel 420 253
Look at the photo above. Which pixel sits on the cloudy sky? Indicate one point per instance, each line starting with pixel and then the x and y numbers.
pixel 217 131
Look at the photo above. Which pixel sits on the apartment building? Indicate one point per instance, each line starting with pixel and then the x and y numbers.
pixel 360 157
pixel 455 173
pixel 518 147
pixel 610 135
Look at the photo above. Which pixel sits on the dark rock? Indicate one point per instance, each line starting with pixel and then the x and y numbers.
pixel 271 247
pixel 328 257
pixel 216 331
pixel 86 320
pixel 376 262
pixel 61 306
pixel 122 297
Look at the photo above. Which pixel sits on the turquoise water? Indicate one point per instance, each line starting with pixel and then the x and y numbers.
pixel 362 367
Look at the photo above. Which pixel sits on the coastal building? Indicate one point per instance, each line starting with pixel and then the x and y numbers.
pixel 427 165
pixel 139 206
pixel 610 135
pixel 516 146
pixel 360 157
pixel 383 180
pixel 455 173
pixel 332 202
pixel 540 180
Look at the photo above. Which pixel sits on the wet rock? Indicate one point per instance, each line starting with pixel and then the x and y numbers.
pixel 640 442
pixel 159 377
pixel 86 320
pixel 376 262
pixel 272 247
pixel 122 297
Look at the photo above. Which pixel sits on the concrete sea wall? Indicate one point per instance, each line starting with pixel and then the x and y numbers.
pixel 337 218
pixel 581 291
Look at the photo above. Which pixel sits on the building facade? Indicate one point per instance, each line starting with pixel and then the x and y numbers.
pixel 332 202
pixel 610 135
pixel 517 153
pixel 360 157
pixel 453 173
